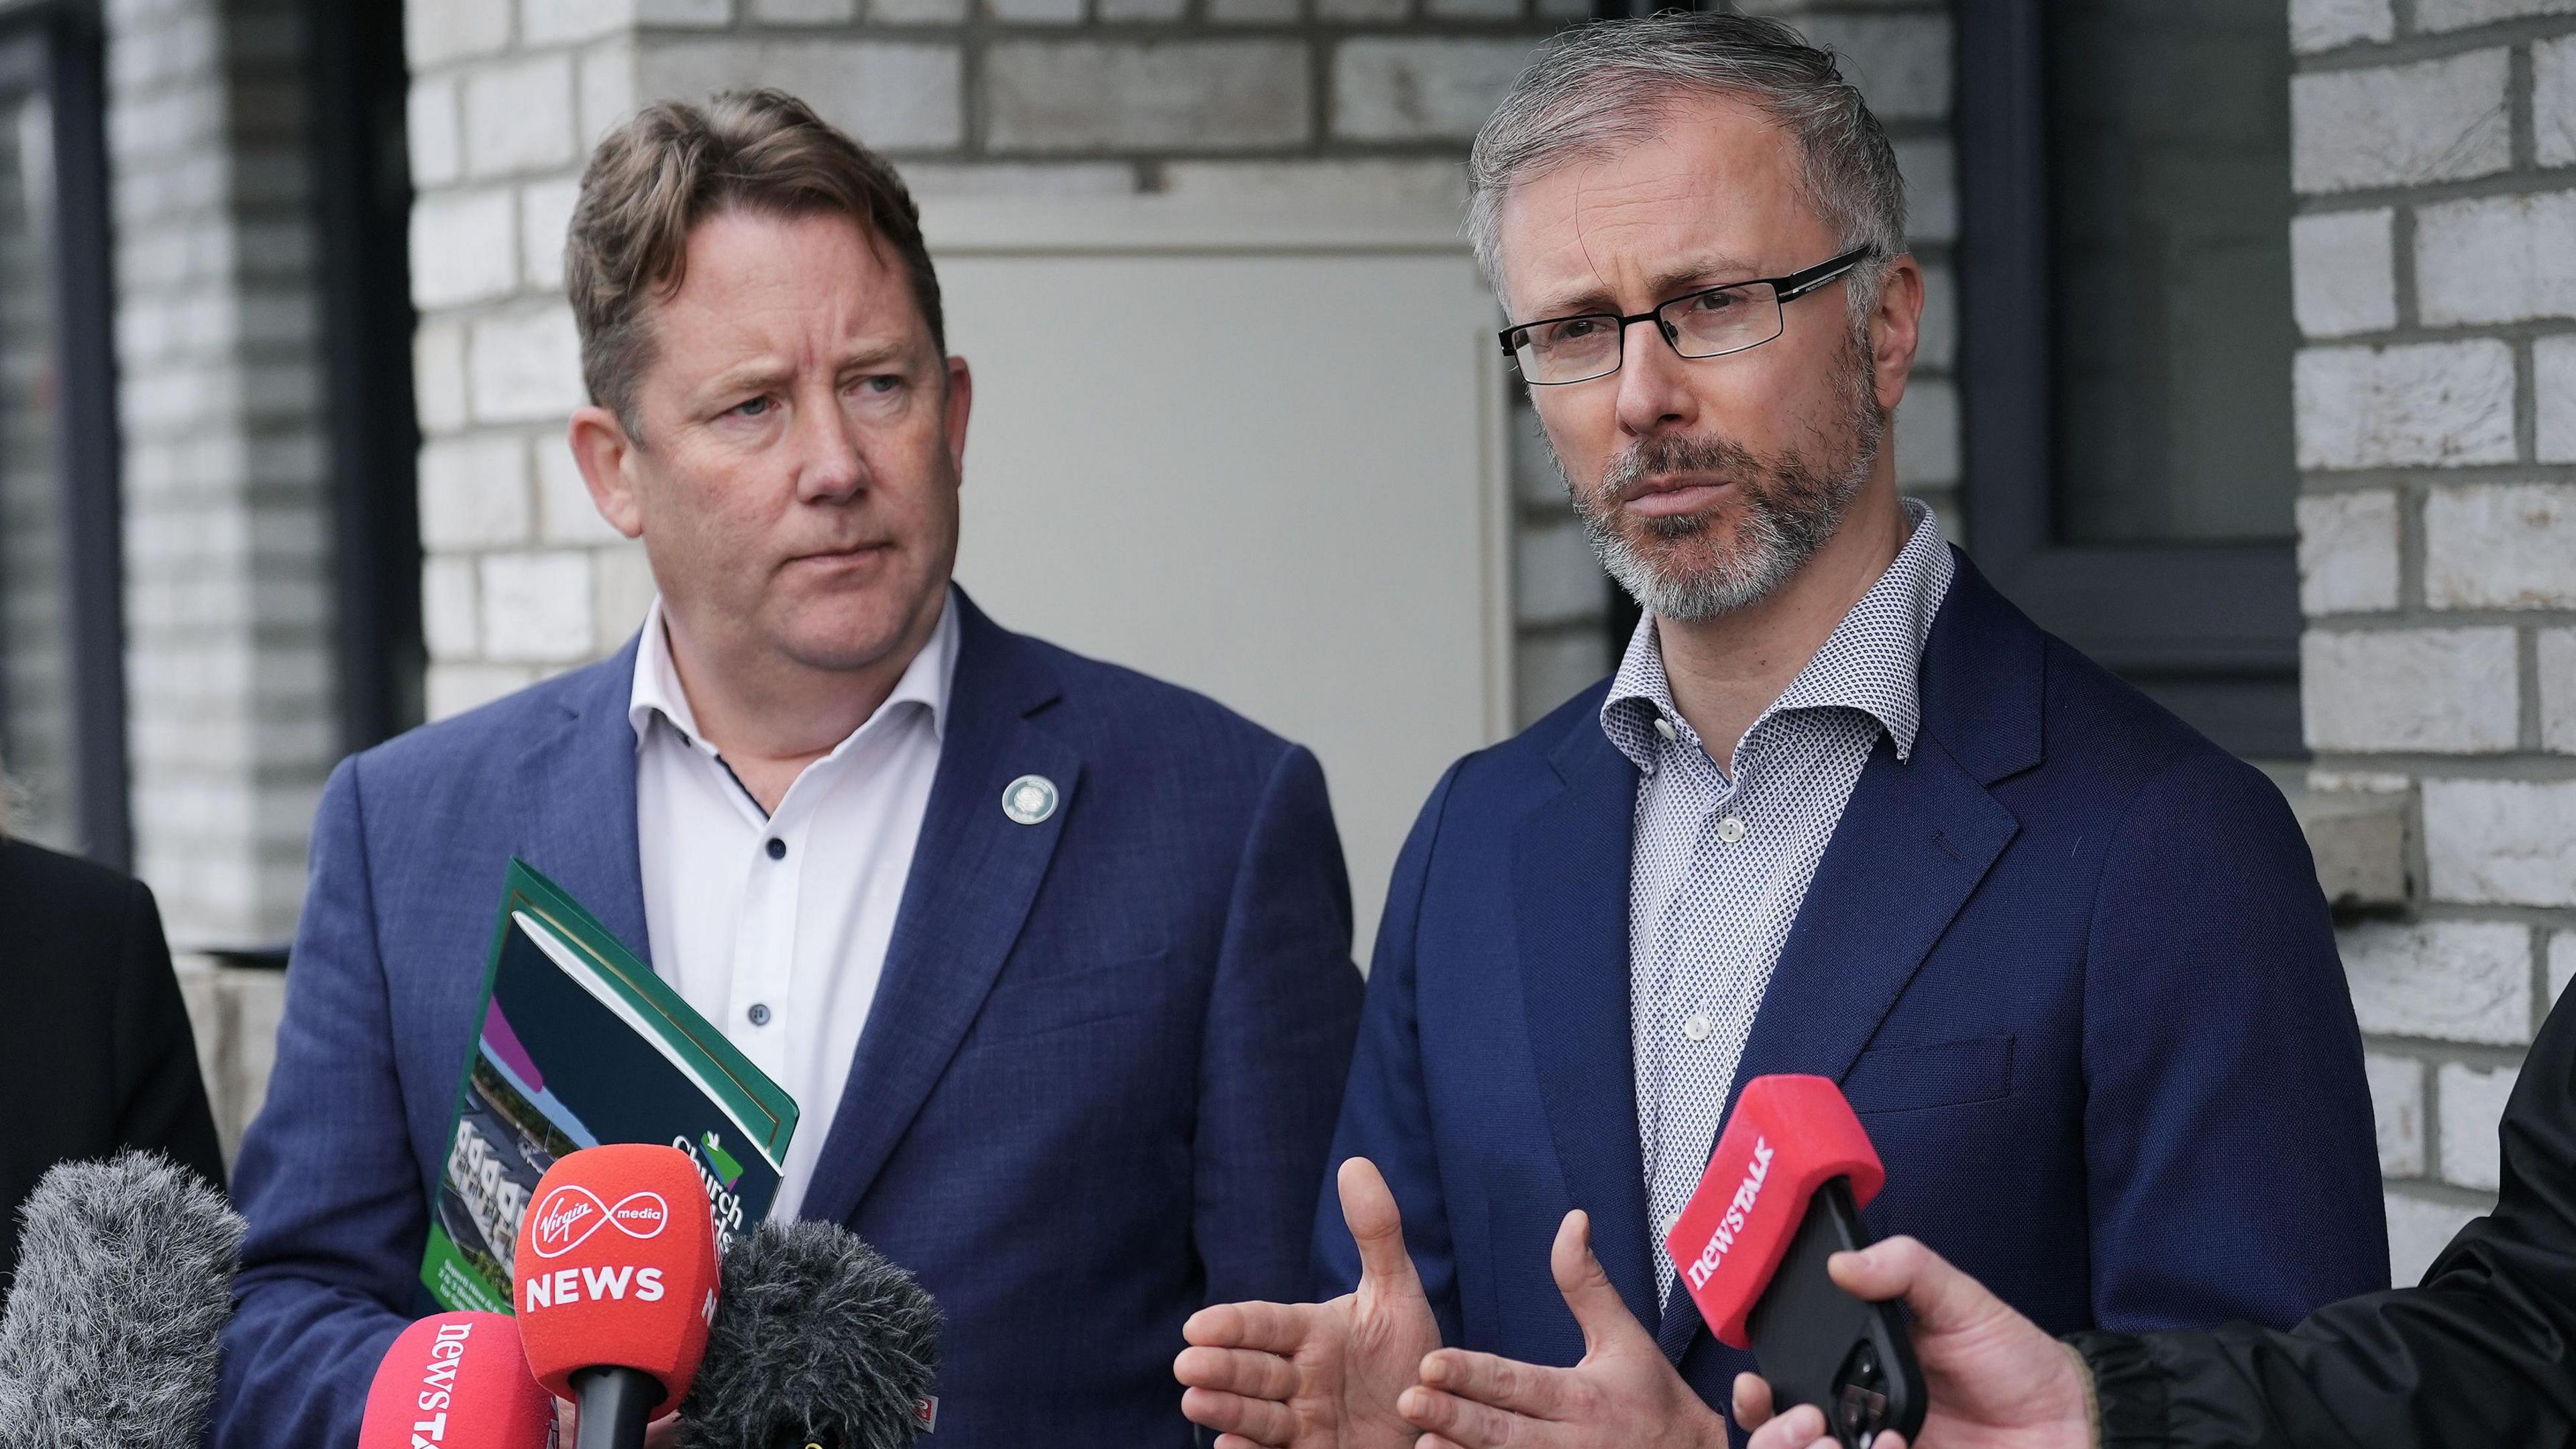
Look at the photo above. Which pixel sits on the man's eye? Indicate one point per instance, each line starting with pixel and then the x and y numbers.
pixel 753 407
pixel 1573 330
pixel 1716 302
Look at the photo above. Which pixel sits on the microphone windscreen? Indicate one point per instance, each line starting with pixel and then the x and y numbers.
pixel 616 1267
pixel 1788 1136
pixel 819 1340
pixel 113 1333
pixel 457 1381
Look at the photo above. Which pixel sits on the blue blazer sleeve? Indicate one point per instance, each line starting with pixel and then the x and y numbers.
pixel 327 1177
pixel 2232 1166
pixel 1386 1114
pixel 1280 1017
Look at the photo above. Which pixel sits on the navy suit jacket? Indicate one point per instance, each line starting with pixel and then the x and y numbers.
pixel 1094 1092
pixel 2069 962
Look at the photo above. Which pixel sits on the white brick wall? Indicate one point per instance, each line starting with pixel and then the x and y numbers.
pixel 2472 1103
pixel 2403 125
pixel 2447 691
pixel 2445 980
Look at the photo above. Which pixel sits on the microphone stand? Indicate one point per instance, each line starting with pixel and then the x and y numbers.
pixel 614 1403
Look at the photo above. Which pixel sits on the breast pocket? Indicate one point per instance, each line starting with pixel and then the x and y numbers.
pixel 1947 1074
pixel 1033 1003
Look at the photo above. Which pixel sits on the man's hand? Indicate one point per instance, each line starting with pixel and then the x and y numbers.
pixel 1624 1395
pixel 1317 1375
pixel 1998 1381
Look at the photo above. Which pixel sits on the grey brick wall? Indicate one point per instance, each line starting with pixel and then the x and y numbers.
pixel 229 668
pixel 2434 155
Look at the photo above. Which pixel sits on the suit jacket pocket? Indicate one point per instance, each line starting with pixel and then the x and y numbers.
pixel 1948 1074
pixel 1026 1004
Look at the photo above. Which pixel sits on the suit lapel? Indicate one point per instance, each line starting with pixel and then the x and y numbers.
pixel 1570 900
pixel 974 875
pixel 578 788
pixel 1914 841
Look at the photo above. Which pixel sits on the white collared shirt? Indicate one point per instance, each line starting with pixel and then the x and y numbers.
pixel 775 927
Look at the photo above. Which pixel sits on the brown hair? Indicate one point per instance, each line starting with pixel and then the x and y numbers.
pixel 669 167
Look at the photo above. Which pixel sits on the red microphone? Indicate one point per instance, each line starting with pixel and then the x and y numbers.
pixel 1781 1194
pixel 617 1285
pixel 457 1381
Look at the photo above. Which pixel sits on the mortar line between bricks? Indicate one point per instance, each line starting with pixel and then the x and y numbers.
pixel 2509 182
pixel 2408 49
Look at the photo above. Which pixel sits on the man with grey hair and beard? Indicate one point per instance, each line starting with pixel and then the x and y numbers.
pixel 1841 810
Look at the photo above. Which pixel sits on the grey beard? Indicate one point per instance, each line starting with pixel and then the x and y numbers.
pixel 1791 505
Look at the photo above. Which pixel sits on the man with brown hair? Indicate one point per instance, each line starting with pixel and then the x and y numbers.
pixel 1054 958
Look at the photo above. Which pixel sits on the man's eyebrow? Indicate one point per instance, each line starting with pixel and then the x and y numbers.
pixel 1691 274
pixel 760 374
pixel 873 354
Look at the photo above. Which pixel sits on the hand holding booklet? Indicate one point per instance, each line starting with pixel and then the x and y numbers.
pixel 581 1044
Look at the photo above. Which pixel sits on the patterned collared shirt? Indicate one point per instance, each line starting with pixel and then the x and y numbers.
pixel 1720 859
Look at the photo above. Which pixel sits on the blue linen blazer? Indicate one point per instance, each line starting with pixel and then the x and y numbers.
pixel 2069 962
pixel 1094 1092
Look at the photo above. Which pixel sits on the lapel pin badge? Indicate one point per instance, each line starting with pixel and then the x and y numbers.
pixel 1030 799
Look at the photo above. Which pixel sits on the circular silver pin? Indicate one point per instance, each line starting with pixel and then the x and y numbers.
pixel 1030 799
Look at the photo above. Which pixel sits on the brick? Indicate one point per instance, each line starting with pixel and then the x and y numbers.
pixel 621 589
pixel 2497 259
pixel 805 12
pixel 1125 10
pixel 2440 691
pixel 438 376
pixel 2501 842
pixel 1426 185
pixel 455 688
pixel 2437 120
pixel 1931 173
pixel 1362 11
pixel 565 513
pixel 1474 9
pixel 1219 95
pixel 605 82
pixel 919 12
pixel 891 95
pixel 2554 375
pixel 434 131
pixel 1038 12
pixel 2460 14
pixel 2472 1103
pixel 1900 62
pixel 519 117
pixel 2441 404
pixel 2418 1230
pixel 525 368
pixel 1421 89
pixel 2562 963
pixel 2553 101
pixel 1555 579
pixel 463 248
pixel 2557 659
pixel 1926 434
pixel 2343 272
pixel 2324 24
pixel 545 218
pixel 1937 342
pixel 2501 548
pixel 536 607
pixel 555 22
pixel 2448 980
pixel 1078 178
pixel 1551 668
pixel 2358 837
pixel 2397 1109
pixel 438 31
pixel 701 14
pixel 2347 552
pixel 473 493
pixel 450 616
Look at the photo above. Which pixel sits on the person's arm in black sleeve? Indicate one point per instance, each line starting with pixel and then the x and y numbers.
pixel 2478 1355
pixel 161 1094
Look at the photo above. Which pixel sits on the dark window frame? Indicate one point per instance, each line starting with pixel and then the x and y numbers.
pixel 2210 630
pixel 59 48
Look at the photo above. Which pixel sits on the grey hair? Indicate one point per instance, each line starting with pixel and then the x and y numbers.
pixel 1613 83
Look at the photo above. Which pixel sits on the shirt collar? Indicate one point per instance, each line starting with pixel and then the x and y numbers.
pixel 1872 662
pixel 656 691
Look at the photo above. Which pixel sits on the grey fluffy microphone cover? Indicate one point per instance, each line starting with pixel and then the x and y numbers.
pixel 112 1336
pixel 817 1340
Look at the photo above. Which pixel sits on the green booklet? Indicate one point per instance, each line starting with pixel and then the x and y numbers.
pixel 582 1044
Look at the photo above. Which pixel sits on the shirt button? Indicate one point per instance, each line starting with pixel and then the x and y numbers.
pixel 1665 728
pixel 1731 829
pixel 1698 1027
pixel 759 1014
pixel 777 848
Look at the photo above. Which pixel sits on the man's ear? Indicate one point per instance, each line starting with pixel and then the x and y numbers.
pixel 606 457
pixel 1896 329
pixel 959 402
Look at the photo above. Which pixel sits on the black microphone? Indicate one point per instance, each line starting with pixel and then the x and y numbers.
pixel 113 1331
pixel 818 1341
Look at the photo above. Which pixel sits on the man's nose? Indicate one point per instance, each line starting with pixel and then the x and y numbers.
pixel 1654 382
pixel 829 463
